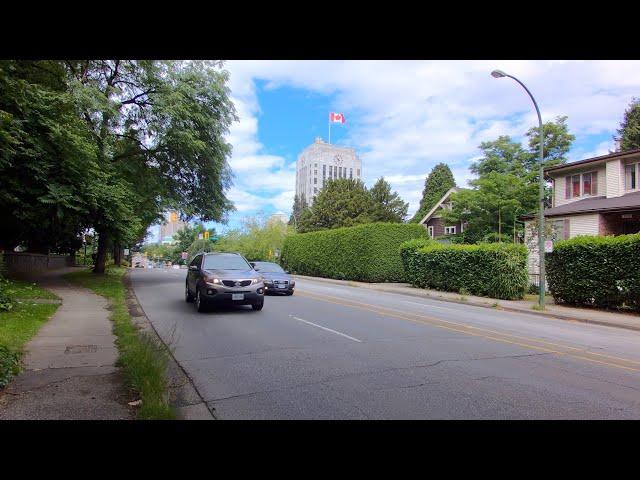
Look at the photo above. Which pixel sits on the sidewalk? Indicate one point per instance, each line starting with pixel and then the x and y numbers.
pixel 585 315
pixel 69 370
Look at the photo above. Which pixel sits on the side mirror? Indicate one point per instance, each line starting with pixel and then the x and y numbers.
pixel 193 268
pixel 287 272
pixel 253 265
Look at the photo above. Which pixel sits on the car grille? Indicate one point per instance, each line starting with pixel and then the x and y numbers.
pixel 281 282
pixel 232 283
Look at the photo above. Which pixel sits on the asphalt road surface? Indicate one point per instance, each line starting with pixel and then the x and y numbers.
pixel 333 352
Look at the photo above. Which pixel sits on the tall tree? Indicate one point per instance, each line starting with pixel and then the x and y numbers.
pixel 299 204
pixel 342 202
pixel 629 131
pixel 48 168
pixel 557 143
pixel 502 155
pixel 388 206
pixel 158 127
pixel 437 183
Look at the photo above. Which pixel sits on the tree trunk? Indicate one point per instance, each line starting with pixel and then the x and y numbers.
pixel 117 254
pixel 101 257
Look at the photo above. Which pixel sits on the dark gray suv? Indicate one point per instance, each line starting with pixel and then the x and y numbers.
pixel 223 278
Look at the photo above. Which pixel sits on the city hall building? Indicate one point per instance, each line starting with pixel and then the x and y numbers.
pixel 321 161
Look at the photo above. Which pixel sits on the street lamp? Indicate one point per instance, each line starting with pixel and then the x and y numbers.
pixel 500 74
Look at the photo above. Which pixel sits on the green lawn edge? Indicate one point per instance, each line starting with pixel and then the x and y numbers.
pixel 142 358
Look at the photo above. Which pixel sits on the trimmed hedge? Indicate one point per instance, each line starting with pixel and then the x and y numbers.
pixel 489 270
pixel 368 252
pixel 596 271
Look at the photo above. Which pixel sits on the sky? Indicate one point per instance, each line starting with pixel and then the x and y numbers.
pixel 404 117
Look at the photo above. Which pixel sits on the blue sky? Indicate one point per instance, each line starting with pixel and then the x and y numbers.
pixel 403 117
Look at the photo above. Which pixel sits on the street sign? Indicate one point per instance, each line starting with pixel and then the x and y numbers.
pixel 200 236
pixel 126 251
pixel 206 235
pixel 548 246
pixel 184 255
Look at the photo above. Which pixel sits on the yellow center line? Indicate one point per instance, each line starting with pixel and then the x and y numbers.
pixel 481 332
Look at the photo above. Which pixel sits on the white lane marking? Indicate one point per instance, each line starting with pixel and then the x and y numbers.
pixel 325 328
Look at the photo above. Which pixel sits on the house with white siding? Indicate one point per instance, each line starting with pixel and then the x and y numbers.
pixel 595 196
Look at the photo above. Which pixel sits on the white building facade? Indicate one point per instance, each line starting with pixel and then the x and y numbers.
pixel 322 161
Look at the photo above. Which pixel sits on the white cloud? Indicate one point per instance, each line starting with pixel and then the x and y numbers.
pixel 406 116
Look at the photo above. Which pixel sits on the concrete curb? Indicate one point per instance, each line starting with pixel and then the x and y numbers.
pixel 424 294
pixel 184 396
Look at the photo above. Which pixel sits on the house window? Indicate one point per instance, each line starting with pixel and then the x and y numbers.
pixel 339 172
pixel 358 173
pixel 330 171
pixel 324 172
pixel 450 230
pixel 351 173
pixel 581 184
pixel 430 230
pixel 315 180
pixel 630 177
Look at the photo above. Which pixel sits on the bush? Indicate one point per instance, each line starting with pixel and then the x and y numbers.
pixel 368 252
pixel 488 270
pixel 596 271
pixel 9 365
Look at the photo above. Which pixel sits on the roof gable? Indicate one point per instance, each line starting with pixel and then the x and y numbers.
pixel 444 198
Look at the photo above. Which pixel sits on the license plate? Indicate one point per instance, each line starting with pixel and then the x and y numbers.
pixel 281 286
pixel 237 296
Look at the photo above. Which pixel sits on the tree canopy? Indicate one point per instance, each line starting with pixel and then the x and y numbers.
pixel 629 131
pixel 437 183
pixel 110 145
pixel 387 205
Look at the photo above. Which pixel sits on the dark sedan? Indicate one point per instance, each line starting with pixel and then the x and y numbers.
pixel 276 280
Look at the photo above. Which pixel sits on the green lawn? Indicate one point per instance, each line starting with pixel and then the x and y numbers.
pixel 142 358
pixel 21 289
pixel 21 323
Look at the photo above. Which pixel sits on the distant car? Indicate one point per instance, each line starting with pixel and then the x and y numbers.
pixel 276 280
pixel 223 278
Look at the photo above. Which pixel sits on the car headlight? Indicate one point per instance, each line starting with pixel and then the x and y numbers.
pixel 256 280
pixel 213 281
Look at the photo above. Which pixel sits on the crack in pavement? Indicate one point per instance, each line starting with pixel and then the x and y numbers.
pixel 370 372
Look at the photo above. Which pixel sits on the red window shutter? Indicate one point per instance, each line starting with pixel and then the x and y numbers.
pixel 594 183
pixel 566 228
pixel 567 187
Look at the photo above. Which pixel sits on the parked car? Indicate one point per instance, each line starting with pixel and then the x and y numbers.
pixel 276 280
pixel 223 278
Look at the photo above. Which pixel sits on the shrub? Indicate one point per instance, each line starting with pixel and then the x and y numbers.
pixel 596 271
pixel 489 270
pixel 368 252
pixel 9 365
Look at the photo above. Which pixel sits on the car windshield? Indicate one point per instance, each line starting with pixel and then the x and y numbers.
pixel 269 267
pixel 225 262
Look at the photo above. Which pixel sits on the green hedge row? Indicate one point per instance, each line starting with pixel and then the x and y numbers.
pixel 596 271
pixel 495 270
pixel 368 252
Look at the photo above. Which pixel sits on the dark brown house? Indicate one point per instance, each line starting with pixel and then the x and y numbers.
pixel 435 224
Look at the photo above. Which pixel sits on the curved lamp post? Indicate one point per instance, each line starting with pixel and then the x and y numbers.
pixel 500 74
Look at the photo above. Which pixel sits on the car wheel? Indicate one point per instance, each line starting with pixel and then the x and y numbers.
pixel 187 294
pixel 290 293
pixel 199 303
pixel 258 306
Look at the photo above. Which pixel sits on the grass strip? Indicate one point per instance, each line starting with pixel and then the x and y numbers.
pixel 19 324
pixel 142 358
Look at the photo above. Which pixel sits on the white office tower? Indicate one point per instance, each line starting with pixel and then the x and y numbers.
pixel 322 161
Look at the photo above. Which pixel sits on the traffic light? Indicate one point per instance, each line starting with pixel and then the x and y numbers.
pixel 173 217
pixel 206 235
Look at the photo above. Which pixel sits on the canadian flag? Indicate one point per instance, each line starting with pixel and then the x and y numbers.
pixel 336 117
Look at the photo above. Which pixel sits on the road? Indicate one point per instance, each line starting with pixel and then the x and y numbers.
pixel 333 352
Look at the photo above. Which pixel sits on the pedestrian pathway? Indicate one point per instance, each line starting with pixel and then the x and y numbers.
pixel 585 315
pixel 69 370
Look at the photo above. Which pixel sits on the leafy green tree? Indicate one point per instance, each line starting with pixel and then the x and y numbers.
pixel 342 202
pixel 158 127
pixel 437 183
pixel 557 143
pixel 257 239
pixel 492 205
pixel 629 131
pixel 299 205
pixel 388 206
pixel 502 155
pixel 48 168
